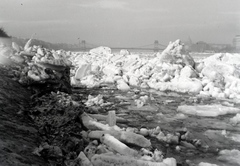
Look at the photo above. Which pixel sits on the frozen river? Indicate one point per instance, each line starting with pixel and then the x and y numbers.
pixel 208 133
pixel 193 98
pixel 213 133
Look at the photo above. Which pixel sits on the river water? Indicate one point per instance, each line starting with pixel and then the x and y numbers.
pixel 214 133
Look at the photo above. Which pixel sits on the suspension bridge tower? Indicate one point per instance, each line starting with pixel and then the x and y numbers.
pixel 83 45
pixel 156 46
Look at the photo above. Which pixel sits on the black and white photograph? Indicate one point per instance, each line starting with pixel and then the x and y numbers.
pixel 119 82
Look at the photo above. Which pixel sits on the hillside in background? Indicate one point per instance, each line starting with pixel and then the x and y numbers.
pixel 55 46
pixel 3 33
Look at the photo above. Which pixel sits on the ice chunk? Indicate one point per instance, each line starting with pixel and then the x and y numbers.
pixel 117 145
pixel 100 50
pixel 188 72
pixel 84 160
pixel 207 110
pixel 199 66
pixel 111 70
pixel 231 156
pixel 175 53
pixel 219 67
pixel 206 164
pixel 124 52
pixel 98 100
pixel 123 136
pixel 122 85
pixel 92 124
pixel 133 81
pixel 236 119
pixel 90 81
pixel 82 71
pixel 119 160
pixel 186 85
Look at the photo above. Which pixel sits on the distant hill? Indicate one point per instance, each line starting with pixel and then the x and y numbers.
pixel 3 33
pixel 55 46
pixel 22 42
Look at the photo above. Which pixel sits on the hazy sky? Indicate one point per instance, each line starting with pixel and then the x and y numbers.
pixel 122 22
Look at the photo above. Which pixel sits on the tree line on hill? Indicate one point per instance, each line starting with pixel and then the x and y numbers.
pixel 22 42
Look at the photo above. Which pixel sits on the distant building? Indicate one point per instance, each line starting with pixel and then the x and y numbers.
pixel 236 42
pixel 200 47
pixel 221 47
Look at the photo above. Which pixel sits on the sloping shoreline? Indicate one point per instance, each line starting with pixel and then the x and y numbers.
pixel 18 136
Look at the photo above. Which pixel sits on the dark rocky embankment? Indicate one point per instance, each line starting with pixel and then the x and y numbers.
pixel 18 136
pixel 35 128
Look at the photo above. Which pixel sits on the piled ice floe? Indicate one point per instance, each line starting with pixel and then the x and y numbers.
pixel 173 69
pixel 113 148
pixel 98 100
pixel 111 145
pixel 36 63
pixel 220 74
pixel 236 119
pixel 230 156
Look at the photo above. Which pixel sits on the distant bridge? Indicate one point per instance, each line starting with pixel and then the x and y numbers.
pixel 156 46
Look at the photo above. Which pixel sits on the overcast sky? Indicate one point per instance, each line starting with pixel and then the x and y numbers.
pixel 122 22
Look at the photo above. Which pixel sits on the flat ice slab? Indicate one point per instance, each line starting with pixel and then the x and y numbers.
pixel 230 156
pixel 207 110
